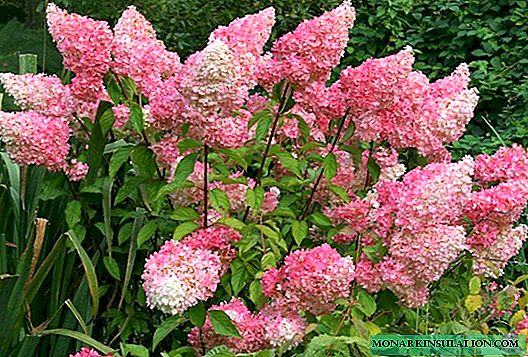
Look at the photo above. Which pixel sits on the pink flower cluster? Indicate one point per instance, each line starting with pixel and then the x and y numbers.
pixel 217 239
pixel 34 139
pixel 312 50
pixel 85 45
pixel 181 274
pixel 139 55
pixel 88 352
pixel 40 93
pixel 272 327
pixel 311 280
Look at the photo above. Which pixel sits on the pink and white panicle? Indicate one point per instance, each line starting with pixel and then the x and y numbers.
pixel 85 45
pixel 88 352
pixel 283 328
pixel 246 38
pixel 179 276
pixel 312 50
pixel 43 94
pixel 34 139
pixel 139 55
pixel 250 327
pixel 311 279
pixel 218 239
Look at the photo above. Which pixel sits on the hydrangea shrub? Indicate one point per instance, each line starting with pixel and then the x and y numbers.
pixel 281 206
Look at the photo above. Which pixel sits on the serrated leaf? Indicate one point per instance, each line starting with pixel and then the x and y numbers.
pixel 473 303
pixel 238 276
pixel 188 144
pixel 146 232
pixel 136 118
pixel 367 303
pixel 118 159
pixel 474 285
pixel 219 200
pixel 290 163
pixel 197 314
pixel 136 350
pixel 222 324
pixel 184 229
pixel 185 214
pixel 321 220
pixel 258 116
pixel 299 231
pixel 256 294
pixel 268 261
pixel 112 267
pixel 184 169
pixel 263 127
pixel 330 166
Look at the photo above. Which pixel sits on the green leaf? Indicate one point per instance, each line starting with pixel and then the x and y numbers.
pixel 97 143
pixel 255 198
pixel 112 267
pixel 184 169
pixel 85 339
pixel 256 294
pixel 222 324
pixel 184 229
pixel 373 169
pixel 300 231
pixel 473 303
pixel 238 276
pixel 166 328
pixel 136 350
pixel 143 159
pixel 474 285
pixel 219 200
pixel 259 116
pixel 188 144
pixel 330 166
pixel 268 261
pixel 118 159
pixel 185 214
pixel 73 213
pixel 263 127
pixel 197 314
pixel 321 220
pixel 340 192
pixel 367 303
pixel 146 232
pixel 91 277
pixel 136 117
pixel 290 163
pixel 130 186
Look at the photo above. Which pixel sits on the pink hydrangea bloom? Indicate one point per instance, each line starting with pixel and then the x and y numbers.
pixel 249 326
pixel 218 239
pixel 492 260
pixel 167 153
pixel 139 55
pixel 312 50
pixel 85 45
pixel 495 209
pixel 505 165
pixel 77 170
pixel 179 276
pixel 311 279
pixel 40 93
pixel 167 105
pixel 121 113
pixel 283 328
pixel 356 216
pixel 522 326
pixel 246 37
pixel 373 87
pixel 271 200
pixel 435 194
pixel 88 352
pixel 34 139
